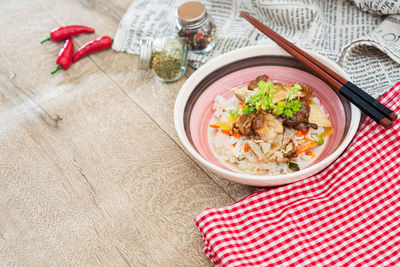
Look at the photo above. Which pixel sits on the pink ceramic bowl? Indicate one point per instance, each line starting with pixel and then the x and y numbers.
pixel 193 107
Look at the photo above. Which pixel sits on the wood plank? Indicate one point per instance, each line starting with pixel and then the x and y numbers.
pixel 84 176
pixel 140 85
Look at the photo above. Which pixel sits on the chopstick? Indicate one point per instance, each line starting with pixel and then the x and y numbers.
pixel 366 103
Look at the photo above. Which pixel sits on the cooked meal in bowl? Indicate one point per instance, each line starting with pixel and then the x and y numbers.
pixel 269 127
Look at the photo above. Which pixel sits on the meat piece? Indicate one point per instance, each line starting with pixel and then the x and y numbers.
pixel 281 149
pixel 256 149
pixel 243 125
pixel 289 151
pixel 317 116
pixel 299 121
pixel 242 93
pixel 279 153
pixel 306 92
pixel 288 148
pixel 272 142
pixel 267 152
pixel 284 88
pixel 267 125
pixel 265 147
pixel 254 84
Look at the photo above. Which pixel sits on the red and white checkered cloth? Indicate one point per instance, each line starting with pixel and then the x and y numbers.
pixel 348 214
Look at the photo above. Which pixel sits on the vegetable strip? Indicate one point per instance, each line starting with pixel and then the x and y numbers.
pixel 236 135
pixel 302 134
pixel 310 144
pixel 246 147
pixel 225 132
pixel 309 153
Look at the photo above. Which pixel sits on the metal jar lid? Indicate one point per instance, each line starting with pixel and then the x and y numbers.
pixel 145 54
pixel 191 14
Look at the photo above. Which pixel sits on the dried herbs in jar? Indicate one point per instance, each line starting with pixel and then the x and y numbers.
pixel 166 56
pixel 195 26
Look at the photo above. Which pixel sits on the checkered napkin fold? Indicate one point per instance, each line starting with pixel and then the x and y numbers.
pixel 348 214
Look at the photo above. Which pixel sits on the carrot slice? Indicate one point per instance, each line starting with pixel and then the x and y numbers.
pixel 310 144
pixel 302 133
pixel 246 147
pixel 236 135
pixel 214 126
pixel 309 153
pixel 234 144
pixel 225 131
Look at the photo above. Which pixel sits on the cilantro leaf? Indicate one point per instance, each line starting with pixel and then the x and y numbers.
pixel 295 105
pixel 288 112
pixel 279 111
pixel 273 106
pixel 248 109
pixel 290 104
pixel 293 92
pixel 281 104
pixel 261 99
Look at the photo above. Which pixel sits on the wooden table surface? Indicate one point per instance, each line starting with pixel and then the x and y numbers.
pixel 91 169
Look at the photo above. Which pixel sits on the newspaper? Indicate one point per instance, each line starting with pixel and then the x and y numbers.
pixel 362 36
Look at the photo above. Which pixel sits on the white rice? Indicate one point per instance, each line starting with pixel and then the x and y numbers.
pixel 230 150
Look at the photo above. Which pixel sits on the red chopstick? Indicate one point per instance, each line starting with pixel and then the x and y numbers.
pixel 366 103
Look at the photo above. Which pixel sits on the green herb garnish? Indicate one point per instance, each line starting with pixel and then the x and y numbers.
pixel 290 104
pixel 262 99
pixel 248 109
pixel 293 93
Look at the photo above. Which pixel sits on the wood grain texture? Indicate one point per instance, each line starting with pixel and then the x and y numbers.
pixel 141 86
pixel 89 173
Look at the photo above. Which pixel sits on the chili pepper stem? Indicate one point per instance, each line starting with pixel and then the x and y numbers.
pixel 45 40
pixel 56 69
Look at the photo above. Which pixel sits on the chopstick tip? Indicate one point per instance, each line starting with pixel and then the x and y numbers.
pixel 386 123
pixel 393 116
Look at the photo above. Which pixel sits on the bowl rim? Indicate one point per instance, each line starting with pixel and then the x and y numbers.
pixel 235 55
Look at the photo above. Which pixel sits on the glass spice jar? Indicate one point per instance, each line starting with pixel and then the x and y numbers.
pixel 195 26
pixel 166 56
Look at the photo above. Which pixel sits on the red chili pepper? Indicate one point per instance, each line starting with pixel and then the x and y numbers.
pixel 62 33
pixel 94 45
pixel 64 58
